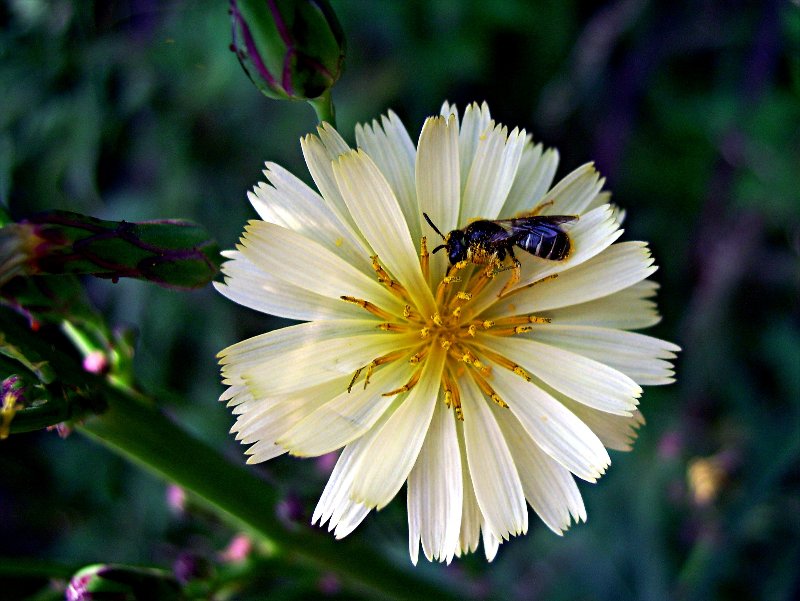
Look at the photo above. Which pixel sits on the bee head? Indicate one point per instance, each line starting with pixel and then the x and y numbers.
pixel 454 242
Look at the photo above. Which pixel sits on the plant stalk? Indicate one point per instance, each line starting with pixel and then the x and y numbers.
pixel 323 107
pixel 150 439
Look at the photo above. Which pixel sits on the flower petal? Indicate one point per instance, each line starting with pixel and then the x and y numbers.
pixel 351 517
pixel 374 208
pixel 310 266
pixel 319 153
pixel 590 235
pixel 476 122
pixel 252 287
pixel 629 309
pixel 549 487
pixel 619 266
pixel 492 172
pixel 616 432
pixel 470 530
pixel 435 493
pixel 349 415
pixel 395 447
pixel 573 194
pixel 290 203
pixel 534 176
pixel 556 430
pixel 497 485
pixel 438 183
pixel 491 543
pixel 264 420
pixel 335 503
pixel 322 361
pixel 268 417
pixel 390 147
pixel 273 346
pixel 587 381
pixel 642 358
pixel 448 109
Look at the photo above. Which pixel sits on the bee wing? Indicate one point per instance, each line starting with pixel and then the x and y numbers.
pixel 541 235
pixel 506 231
pixel 538 224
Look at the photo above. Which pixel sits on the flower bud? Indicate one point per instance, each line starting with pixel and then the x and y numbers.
pixel 123 583
pixel 170 253
pixel 12 397
pixel 290 49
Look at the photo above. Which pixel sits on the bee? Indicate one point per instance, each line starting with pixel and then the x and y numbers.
pixel 485 242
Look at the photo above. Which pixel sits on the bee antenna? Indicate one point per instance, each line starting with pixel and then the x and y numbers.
pixel 436 229
pixel 440 247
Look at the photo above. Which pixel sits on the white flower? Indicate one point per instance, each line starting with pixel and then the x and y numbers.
pixel 478 395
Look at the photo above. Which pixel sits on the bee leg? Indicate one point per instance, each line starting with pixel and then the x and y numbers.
pixel 536 210
pixel 516 274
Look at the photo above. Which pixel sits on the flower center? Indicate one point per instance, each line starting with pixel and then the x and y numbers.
pixel 453 326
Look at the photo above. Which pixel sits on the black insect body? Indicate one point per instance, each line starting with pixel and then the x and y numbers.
pixel 485 242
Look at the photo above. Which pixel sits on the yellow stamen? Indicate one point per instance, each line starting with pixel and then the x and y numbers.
pixel 392 327
pixel 531 285
pixel 452 397
pixel 407 386
pixel 424 257
pixel 512 331
pixel 382 360
pixel 383 277
pixel 488 390
pixel 368 306
pixel 468 357
pixel 507 363
pixel 539 208
pixel 417 357
pixel 521 319
pixel 447 280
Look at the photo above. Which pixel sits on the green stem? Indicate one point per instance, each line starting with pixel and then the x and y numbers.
pixel 150 439
pixel 323 107
pixel 16 567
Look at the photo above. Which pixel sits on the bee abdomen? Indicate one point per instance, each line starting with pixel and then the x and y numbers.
pixel 554 246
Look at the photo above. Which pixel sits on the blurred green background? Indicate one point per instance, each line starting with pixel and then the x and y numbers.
pixel 137 109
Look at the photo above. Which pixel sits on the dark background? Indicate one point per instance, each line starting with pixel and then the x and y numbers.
pixel 138 110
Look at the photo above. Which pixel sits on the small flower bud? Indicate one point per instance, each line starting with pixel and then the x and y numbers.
pixel 95 362
pixel 237 550
pixel 176 498
pixel 290 49
pixel 12 397
pixel 170 253
pixel 125 583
